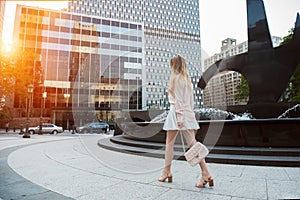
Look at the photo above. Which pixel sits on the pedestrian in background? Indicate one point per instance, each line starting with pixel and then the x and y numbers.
pixel 7 127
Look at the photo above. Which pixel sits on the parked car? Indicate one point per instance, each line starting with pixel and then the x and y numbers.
pixel 112 125
pixel 94 127
pixel 46 128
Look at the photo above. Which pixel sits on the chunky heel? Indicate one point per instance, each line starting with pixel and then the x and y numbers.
pixel 211 182
pixel 204 180
pixel 166 176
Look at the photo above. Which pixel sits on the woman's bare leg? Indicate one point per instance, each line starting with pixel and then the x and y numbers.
pixel 189 136
pixel 169 153
pixel 191 140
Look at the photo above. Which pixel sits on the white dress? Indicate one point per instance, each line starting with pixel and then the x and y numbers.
pixel 182 105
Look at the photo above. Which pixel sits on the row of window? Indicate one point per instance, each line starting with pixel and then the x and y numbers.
pixel 181 12
pixel 78 18
pixel 175 37
pixel 31 29
pixel 29 38
pixel 171 32
pixel 140 5
pixel 40 46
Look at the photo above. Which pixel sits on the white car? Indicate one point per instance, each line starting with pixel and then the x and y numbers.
pixel 46 128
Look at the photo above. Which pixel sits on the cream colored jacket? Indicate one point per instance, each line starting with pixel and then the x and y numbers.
pixel 183 100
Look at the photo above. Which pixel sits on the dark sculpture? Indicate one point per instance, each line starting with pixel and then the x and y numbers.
pixel 267 69
pixel 268 141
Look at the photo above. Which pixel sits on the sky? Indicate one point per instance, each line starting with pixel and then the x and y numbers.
pixel 219 19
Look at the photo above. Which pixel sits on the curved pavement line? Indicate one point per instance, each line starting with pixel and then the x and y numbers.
pixel 14 186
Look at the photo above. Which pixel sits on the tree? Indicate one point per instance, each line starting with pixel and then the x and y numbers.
pixel 295 86
pixel 287 38
pixel 242 90
pixel 292 93
pixel 6 75
pixel 5 113
pixel 26 71
pixel 17 71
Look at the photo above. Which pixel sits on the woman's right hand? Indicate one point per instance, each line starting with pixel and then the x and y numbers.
pixel 179 124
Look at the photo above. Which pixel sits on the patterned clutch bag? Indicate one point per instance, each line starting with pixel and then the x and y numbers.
pixel 196 153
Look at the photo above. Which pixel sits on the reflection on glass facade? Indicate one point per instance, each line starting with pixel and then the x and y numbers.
pixel 92 61
pixel 170 28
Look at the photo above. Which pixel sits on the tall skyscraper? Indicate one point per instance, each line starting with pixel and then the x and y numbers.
pixel 170 28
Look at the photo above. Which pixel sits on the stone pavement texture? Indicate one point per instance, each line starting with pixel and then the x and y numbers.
pixel 72 166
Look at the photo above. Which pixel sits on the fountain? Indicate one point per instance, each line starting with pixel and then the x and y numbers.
pixel 294 108
pixel 264 137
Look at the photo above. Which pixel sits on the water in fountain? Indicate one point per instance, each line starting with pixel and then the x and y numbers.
pixel 284 115
pixel 160 118
pixel 244 116
pixel 217 114
pixel 209 114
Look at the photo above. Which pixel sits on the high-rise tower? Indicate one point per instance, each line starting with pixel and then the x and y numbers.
pixel 170 28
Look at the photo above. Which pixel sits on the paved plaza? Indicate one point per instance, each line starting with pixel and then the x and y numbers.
pixel 73 166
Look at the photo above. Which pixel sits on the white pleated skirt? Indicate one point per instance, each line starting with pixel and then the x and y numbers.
pixel 171 121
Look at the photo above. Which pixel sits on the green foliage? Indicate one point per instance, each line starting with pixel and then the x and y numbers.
pixel 287 38
pixel 242 90
pixel 5 113
pixel 292 93
pixel 17 71
pixel 294 86
pixel 6 76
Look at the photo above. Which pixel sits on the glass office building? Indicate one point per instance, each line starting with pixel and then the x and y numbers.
pixel 87 63
pixel 170 28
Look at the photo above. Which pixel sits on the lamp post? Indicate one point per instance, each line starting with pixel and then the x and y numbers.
pixel 44 96
pixel 29 91
pixel 67 96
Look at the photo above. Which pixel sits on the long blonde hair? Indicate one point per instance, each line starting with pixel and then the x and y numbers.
pixel 178 69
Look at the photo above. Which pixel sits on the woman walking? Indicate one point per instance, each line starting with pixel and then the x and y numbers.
pixel 181 116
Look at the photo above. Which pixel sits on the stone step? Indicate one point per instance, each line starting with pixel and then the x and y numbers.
pixel 287 161
pixel 275 160
pixel 262 151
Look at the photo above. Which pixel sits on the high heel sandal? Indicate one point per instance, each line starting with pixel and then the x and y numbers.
pixel 204 180
pixel 166 176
